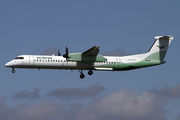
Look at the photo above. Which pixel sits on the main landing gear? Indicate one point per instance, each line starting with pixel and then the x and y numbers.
pixel 82 76
pixel 13 71
pixel 90 72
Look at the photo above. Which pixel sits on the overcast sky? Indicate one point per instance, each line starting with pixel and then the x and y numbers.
pixel 119 28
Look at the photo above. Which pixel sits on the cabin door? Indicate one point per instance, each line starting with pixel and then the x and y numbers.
pixel 118 63
pixel 31 61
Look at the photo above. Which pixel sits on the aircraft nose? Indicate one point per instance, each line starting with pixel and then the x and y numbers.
pixel 9 64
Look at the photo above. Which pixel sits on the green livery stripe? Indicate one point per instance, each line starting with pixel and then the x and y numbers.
pixel 153 59
pixel 129 66
pixel 143 63
pixel 157 56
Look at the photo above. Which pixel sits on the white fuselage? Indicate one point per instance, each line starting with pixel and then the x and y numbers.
pixel 90 59
pixel 59 62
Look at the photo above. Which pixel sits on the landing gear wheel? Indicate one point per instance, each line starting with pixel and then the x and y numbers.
pixel 82 76
pixel 90 72
pixel 13 71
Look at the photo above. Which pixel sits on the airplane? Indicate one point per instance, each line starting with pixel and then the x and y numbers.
pixel 91 60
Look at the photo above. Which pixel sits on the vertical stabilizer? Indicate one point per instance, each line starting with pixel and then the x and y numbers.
pixel 159 48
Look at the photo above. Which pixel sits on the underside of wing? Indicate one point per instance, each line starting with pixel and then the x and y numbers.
pixel 92 51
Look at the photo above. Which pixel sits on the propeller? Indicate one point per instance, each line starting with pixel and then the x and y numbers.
pixel 66 55
pixel 59 54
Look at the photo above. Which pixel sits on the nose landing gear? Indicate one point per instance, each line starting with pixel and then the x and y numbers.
pixel 13 71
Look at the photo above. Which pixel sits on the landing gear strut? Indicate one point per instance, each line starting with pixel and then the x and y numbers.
pixel 90 72
pixel 13 71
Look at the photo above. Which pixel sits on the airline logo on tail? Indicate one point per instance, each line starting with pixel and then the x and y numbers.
pixel 160 47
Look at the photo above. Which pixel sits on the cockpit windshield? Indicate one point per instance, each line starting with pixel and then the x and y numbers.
pixel 19 58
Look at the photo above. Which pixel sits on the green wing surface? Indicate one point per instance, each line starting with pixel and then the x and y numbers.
pixel 92 51
pixel 88 56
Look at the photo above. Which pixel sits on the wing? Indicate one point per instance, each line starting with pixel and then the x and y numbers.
pixel 92 51
pixel 88 56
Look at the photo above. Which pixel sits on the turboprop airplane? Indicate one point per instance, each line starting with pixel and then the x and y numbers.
pixel 91 60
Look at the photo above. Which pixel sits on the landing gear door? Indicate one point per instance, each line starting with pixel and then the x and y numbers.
pixel 31 61
pixel 118 63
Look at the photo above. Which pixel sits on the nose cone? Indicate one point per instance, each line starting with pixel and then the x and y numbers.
pixel 9 64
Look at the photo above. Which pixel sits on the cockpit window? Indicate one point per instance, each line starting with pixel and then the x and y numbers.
pixel 19 58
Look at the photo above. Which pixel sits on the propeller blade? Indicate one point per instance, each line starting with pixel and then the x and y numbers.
pixel 66 51
pixel 59 54
pixel 66 55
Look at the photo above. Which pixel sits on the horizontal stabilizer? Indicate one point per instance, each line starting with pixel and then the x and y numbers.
pixel 168 37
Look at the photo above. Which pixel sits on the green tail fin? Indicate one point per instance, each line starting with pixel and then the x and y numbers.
pixel 159 48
